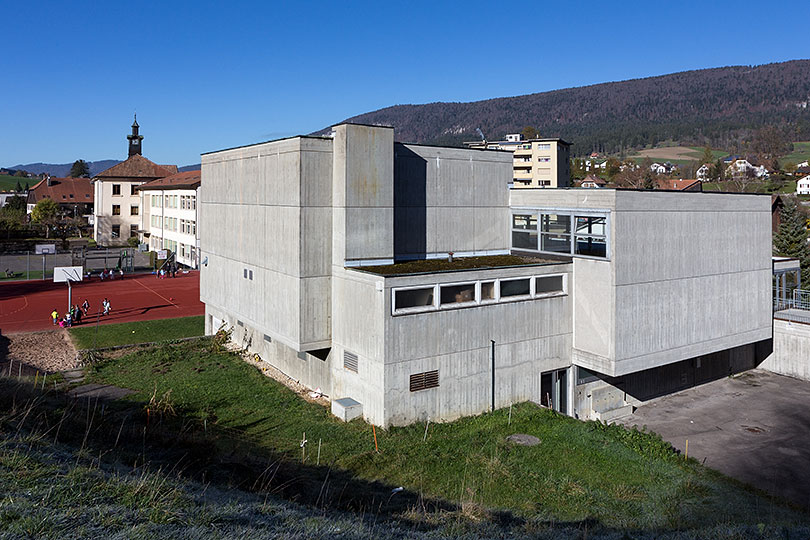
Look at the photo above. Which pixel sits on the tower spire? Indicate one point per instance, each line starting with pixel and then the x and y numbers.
pixel 135 139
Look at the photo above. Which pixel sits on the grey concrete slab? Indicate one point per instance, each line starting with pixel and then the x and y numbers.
pixel 754 427
pixel 101 391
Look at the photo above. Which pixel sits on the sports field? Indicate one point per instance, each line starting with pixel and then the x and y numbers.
pixel 25 306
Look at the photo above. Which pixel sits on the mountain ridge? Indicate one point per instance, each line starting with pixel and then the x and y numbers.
pixel 716 106
pixel 60 170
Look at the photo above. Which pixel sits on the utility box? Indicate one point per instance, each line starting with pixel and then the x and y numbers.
pixel 347 409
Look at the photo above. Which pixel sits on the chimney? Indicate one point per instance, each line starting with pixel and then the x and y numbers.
pixel 48 180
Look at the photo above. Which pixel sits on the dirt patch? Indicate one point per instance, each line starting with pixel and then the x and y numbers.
pixel 39 351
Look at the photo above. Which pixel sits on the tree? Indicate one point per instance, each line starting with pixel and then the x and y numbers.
pixel 15 203
pixel 18 187
pixel 80 169
pixel 612 167
pixel 529 132
pixel 708 157
pixel 44 213
pixel 791 238
pixel 21 173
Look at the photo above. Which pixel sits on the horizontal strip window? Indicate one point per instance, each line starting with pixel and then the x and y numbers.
pixel 574 232
pixel 474 293
pixel 424 380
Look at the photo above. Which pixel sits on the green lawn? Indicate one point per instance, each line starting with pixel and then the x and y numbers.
pixel 110 335
pixel 716 154
pixel 22 274
pixel 623 478
pixel 801 152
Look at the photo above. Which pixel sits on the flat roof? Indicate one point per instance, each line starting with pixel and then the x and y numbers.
pixel 641 190
pixel 433 266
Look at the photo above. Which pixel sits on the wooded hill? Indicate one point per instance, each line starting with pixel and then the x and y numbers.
pixel 718 107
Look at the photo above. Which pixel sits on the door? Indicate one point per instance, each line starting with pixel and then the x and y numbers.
pixel 554 390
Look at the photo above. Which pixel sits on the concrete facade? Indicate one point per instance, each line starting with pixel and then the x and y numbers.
pixel 634 288
pixel 791 349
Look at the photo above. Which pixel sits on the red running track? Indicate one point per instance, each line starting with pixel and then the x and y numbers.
pixel 26 306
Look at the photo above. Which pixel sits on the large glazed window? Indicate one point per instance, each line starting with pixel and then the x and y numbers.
pixel 548 284
pixel 413 298
pixel 515 287
pixel 562 232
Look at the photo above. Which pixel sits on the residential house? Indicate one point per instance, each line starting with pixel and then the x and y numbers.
pixel 680 184
pixel 345 263
pixel 73 195
pixel 169 215
pixel 704 173
pixel 117 201
pixel 536 162
pixel 803 186
pixel 593 181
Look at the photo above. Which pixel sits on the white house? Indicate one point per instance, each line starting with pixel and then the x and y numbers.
pixel 803 186
pixel 704 173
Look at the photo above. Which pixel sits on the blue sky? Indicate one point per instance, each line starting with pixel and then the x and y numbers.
pixel 209 75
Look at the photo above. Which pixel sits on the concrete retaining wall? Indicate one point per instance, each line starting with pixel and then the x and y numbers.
pixel 791 350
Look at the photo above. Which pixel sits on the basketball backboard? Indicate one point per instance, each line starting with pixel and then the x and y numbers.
pixel 62 274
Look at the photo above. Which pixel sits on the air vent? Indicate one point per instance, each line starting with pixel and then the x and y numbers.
pixel 350 361
pixel 425 380
pixel 268 339
pixel 240 323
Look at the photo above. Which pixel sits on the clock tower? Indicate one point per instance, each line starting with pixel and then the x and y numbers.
pixel 135 139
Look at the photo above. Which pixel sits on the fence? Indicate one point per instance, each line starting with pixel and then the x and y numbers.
pixel 793 307
pixel 31 266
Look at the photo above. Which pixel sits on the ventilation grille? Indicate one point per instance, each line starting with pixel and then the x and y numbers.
pixel 350 361
pixel 425 380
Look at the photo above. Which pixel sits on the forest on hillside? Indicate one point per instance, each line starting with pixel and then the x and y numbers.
pixel 719 107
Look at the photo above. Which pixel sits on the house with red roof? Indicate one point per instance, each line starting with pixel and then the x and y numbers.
pixel 117 201
pixel 73 195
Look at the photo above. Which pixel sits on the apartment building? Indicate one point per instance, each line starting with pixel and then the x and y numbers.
pixel 169 215
pixel 543 163
pixel 117 206
pixel 409 282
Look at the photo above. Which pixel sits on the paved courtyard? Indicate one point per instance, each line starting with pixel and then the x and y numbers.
pixel 754 427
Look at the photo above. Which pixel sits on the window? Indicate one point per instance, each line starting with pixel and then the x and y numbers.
pixel 424 380
pixel 487 290
pixel 544 146
pixel 548 284
pixel 133 189
pixel 457 294
pixel 413 298
pixel 116 189
pixel 116 231
pixel 350 361
pixel 116 210
pixel 133 231
pixel 515 287
pixel 591 236
pixel 524 231
pixel 555 233
pixel 133 210
pixel 193 202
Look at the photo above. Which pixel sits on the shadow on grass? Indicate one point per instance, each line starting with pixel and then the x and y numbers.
pixel 115 432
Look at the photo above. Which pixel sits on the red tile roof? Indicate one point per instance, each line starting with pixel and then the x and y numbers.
pixel 183 180
pixel 679 184
pixel 63 191
pixel 139 167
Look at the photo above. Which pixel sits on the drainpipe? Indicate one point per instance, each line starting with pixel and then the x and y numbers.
pixel 492 354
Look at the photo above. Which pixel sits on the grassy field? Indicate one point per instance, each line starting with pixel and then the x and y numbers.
pixel 753 187
pixel 110 335
pixel 801 152
pixel 8 183
pixel 580 471
pixel 22 274
pixel 682 156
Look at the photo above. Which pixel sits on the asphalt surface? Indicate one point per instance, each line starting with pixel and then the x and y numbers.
pixel 754 427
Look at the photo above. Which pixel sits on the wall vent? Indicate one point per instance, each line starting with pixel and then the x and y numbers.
pixel 268 339
pixel 240 323
pixel 424 380
pixel 350 361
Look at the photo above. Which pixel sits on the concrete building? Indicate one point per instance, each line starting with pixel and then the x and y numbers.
pixel 117 201
pixel 537 162
pixel 169 215
pixel 407 282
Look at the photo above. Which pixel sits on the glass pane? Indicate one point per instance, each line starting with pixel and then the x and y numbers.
pixel 524 240
pixel 528 221
pixel 555 223
pixel 548 284
pixel 488 290
pixel 514 287
pixel 413 298
pixel 458 294
pixel 558 243
pixel 591 225
pixel 588 245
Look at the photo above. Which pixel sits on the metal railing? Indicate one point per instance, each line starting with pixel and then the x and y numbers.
pixel 793 307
